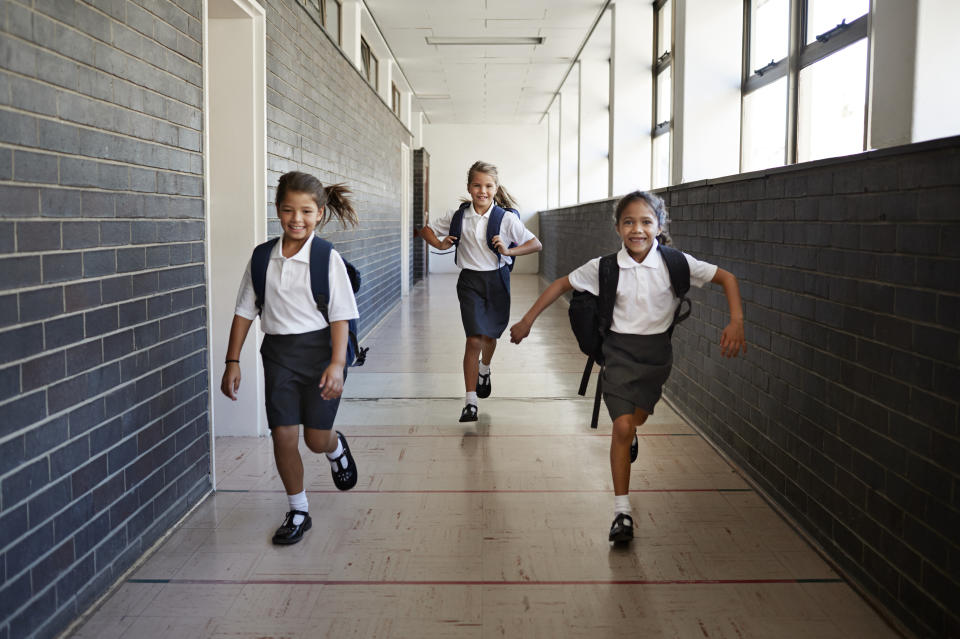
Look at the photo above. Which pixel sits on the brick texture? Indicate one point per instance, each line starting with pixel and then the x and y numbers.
pixel 421 207
pixel 104 433
pixel 845 408
pixel 325 119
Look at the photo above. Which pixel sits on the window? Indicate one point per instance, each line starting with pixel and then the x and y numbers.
pixel 395 99
pixel 370 71
pixel 808 103
pixel 331 18
pixel 662 92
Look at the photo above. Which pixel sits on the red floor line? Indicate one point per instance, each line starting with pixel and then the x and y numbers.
pixel 497 490
pixel 479 582
pixel 551 435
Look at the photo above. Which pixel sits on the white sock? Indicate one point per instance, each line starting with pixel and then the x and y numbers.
pixel 621 504
pixel 333 456
pixel 472 398
pixel 484 369
pixel 298 502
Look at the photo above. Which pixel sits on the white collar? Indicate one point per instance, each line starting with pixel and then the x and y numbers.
pixel 303 255
pixel 472 211
pixel 652 260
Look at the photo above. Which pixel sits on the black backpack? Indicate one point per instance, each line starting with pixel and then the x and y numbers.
pixel 319 285
pixel 493 227
pixel 591 315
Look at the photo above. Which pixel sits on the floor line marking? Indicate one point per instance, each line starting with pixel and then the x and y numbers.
pixel 480 582
pixel 492 490
pixel 469 434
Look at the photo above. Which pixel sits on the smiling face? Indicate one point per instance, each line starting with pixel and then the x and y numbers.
pixel 482 187
pixel 299 214
pixel 638 227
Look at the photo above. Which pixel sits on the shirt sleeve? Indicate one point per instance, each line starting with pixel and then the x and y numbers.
pixel 441 226
pixel 343 304
pixel 700 272
pixel 246 297
pixel 513 230
pixel 587 277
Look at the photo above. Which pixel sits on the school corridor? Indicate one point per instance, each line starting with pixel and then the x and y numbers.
pixel 491 529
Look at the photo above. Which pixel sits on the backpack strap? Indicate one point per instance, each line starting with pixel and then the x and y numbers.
pixel 320 275
pixel 258 270
pixel 679 271
pixel 456 228
pixel 609 276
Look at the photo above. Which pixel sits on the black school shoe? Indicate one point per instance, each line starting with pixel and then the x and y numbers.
pixel 344 478
pixel 469 413
pixel 634 449
pixel 289 533
pixel 621 529
pixel 483 386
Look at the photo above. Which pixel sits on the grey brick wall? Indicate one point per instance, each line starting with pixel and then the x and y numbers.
pixel 845 408
pixel 103 380
pixel 323 118
pixel 421 199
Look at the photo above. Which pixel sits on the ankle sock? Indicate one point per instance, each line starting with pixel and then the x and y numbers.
pixel 343 463
pixel 298 502
pixel 472 398
pixel 621 504
pixel 484 369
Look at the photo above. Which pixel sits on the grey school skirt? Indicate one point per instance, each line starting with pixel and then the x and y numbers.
pixel 635 369
pixel 484 301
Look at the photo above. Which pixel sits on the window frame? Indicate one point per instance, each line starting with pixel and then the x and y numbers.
pixel 799 56
pixel 370 63
pixel 395 99
pixel 661 64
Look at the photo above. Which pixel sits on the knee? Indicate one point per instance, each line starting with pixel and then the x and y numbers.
pixel 284 438
pixel 624 429
pixel 475 343
pixel 640 417
pixel 319 441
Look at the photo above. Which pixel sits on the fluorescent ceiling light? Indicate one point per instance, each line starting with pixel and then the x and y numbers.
pixel 484 41
pixel 433 96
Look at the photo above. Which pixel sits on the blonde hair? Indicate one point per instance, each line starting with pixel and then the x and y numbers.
pixel 502 197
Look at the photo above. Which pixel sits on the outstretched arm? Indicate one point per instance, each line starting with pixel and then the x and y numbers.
pixel 532 245
pixel 732 340
pixel 230 383
pixel 522 328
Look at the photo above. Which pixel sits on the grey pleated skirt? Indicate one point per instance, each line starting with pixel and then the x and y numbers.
pixel 635 369
pixel 484 301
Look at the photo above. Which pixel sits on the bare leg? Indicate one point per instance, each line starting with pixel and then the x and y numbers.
pixel 471 357
pixel 489 345
pixel 624 428
pixel 320 441
pixel 287 455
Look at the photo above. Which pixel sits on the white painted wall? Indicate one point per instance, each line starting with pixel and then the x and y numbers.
pixel 936 104
pixel 518 152
pixel 632 88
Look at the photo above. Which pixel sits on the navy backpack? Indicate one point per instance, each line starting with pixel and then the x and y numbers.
pixel 319 284
pixel 591 315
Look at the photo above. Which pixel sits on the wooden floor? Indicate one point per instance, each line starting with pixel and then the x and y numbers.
pixel 492 529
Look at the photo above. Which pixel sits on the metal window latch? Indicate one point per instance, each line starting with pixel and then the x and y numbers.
pixel 766 67
pixel 666 54
pixel 826 35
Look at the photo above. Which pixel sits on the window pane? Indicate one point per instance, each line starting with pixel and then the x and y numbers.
pixel 664 29
pixel 664 95
pixel 770 32
pixel 823 15
pixel 661 161
pixel 333 19
pixel 765 126
pixel 832 94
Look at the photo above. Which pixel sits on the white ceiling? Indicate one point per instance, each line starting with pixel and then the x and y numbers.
pixel 494 84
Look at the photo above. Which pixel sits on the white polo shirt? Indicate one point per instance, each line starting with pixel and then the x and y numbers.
pixel 289 307
pixel 473 253
pixel 645 302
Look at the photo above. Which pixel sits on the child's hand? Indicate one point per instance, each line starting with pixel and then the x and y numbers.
pixel 230 383
pixel 500 246
pixel 331 382
pixel 732 339
pixel 447 242
pixel 519 330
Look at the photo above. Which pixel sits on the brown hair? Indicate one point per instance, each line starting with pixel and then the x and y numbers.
pixel 332 199
pixel 502 197
pixel 656 205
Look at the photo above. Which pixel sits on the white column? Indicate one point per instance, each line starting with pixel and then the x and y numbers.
pixel 406 104
pixel 594 128
pixel 553 154
pixel 707 63
pixel 936 103
pixel 631 96
pixel 350 31
pixel 569 138
pixel 386 80
pixel 893 52
pixel 416 128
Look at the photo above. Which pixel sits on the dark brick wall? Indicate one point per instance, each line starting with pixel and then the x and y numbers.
pixel 325 119
pixel 845 409
pixel 103 377
pixel 421 199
